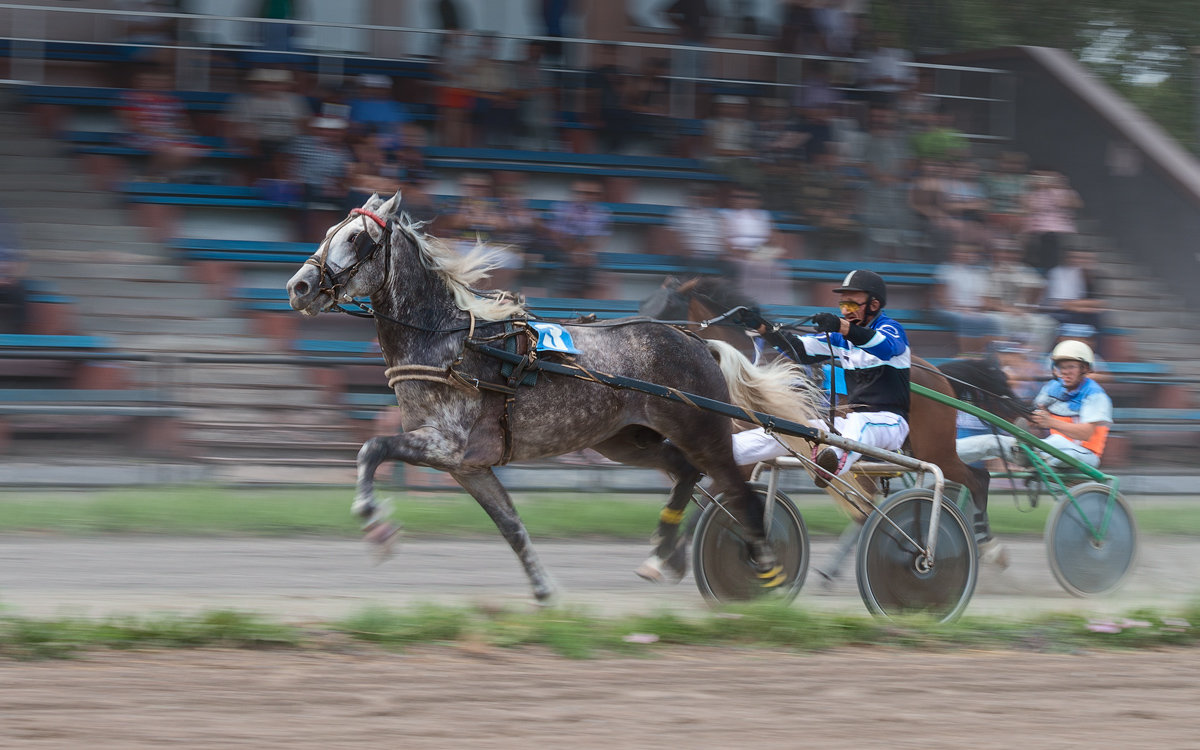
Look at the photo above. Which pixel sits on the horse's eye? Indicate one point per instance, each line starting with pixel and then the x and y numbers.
pixel 353 237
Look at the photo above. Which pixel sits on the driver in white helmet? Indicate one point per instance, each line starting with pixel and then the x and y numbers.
pixel 1073 407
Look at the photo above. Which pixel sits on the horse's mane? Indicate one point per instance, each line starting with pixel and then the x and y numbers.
pixel 983 373
pixel 462 271
pixel 724 294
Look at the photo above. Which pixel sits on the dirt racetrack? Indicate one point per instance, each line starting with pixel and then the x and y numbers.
pixel 468 697
pixel 695 698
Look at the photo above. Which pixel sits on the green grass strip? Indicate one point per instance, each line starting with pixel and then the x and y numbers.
pixel 203 510
pixel 577 634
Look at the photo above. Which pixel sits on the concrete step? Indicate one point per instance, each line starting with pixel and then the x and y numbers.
pixel 180 328
pixel 118 251
pixel 199 395
pixel 75 215
pixel 85 272
pixel 15 166
pixel 234 433
pixel 62 203
pixel 176 288
pixel 34 233
pixel 39 183
pixel 186 309
pixel 20 144
pixel 198 344
pixel 252 451
pixel 238 375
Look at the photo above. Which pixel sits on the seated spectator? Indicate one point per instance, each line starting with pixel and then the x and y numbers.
pixel 454 98
pixel 1014 291
pixel 960 298
pixel 776 140
pixel 798 33
pixel 156 120
pixel 1073 291
pixel 888 72
pixel 477 217
pixel 755 249
pixel 578 228
pixel 963 203
pixel 925 200
pixel 371 172
pixel 608 98
pixel 1049 208
pixel 1005 187
pixel 521 232
pixel 418 200
pixel 939 140
pixel 320 159
pixel 536 98
pixel 14 288
pixel 494 109
pixel 265 120
pixel 829 203
pixel 887 216
pixel 698 230
pixel 650 102
pixel 730 141
pixel 373 111
pixel 815 90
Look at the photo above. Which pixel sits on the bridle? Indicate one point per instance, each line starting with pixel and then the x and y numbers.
pixel 331 280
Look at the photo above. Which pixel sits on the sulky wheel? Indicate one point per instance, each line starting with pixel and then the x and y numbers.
pixel 893 575
pixel 1084 563
pixel 721 555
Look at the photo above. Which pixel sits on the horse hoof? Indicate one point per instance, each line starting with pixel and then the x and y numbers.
pixel 382 539
pixel 827 579
pixel 993 552
pixel 653 570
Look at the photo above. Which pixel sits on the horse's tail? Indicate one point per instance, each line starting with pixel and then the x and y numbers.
pixel 779 388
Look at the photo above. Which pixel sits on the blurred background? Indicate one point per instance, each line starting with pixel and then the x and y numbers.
pixel 1019 173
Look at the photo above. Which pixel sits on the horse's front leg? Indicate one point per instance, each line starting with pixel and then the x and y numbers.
pixel 483 485
pixel 427 446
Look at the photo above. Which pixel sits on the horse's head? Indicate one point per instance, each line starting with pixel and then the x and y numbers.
pixel 985 383
pixel 352 261
pixel 666 303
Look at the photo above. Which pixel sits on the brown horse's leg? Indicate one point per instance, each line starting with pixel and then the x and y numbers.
pixel 643 447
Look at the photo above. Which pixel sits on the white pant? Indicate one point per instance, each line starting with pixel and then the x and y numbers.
pixel 880 429
pixel 978 447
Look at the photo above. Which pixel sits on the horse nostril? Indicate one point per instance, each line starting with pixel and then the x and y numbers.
pixel 301 288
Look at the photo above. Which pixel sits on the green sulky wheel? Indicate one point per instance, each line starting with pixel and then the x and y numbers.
pixel 894 576
pixel 1091 540
pixel 721 555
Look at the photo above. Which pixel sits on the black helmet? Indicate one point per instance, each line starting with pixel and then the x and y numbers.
pixel 861 280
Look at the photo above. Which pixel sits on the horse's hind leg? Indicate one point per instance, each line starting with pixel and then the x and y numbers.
pixel 483 485
pixel 644 447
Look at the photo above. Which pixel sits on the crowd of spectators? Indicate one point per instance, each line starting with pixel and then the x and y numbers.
pixel 863 156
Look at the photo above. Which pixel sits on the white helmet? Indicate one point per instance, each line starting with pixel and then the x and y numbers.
pixel 1071 349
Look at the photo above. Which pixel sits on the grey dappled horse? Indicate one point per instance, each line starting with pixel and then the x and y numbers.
pixel 425 308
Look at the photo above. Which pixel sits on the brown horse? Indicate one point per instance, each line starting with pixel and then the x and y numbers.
pixel 932 425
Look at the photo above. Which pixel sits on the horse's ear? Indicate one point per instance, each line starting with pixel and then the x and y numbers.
pixel 391 206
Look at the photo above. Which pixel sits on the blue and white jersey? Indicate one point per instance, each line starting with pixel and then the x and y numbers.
pixel 876 370
pixel 1089 403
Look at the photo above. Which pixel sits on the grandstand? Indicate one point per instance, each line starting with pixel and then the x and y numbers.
pixel 162 328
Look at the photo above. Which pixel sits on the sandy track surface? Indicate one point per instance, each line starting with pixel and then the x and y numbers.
pixel 695 698
pixel 313 579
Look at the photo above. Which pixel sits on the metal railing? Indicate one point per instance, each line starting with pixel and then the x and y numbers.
pixel 982 96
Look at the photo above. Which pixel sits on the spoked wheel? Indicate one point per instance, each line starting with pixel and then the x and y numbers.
pixel 894 575
pixel 1091 540
pixel 721 554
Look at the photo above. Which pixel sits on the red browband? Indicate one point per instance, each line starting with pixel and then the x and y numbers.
pixel 370 215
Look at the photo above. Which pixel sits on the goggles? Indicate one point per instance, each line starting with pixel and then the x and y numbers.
pixel 849 305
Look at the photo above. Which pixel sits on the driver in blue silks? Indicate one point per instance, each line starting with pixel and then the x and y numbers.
pixel 873 351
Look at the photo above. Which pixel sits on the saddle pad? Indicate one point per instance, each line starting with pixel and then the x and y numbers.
pixel 553 338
